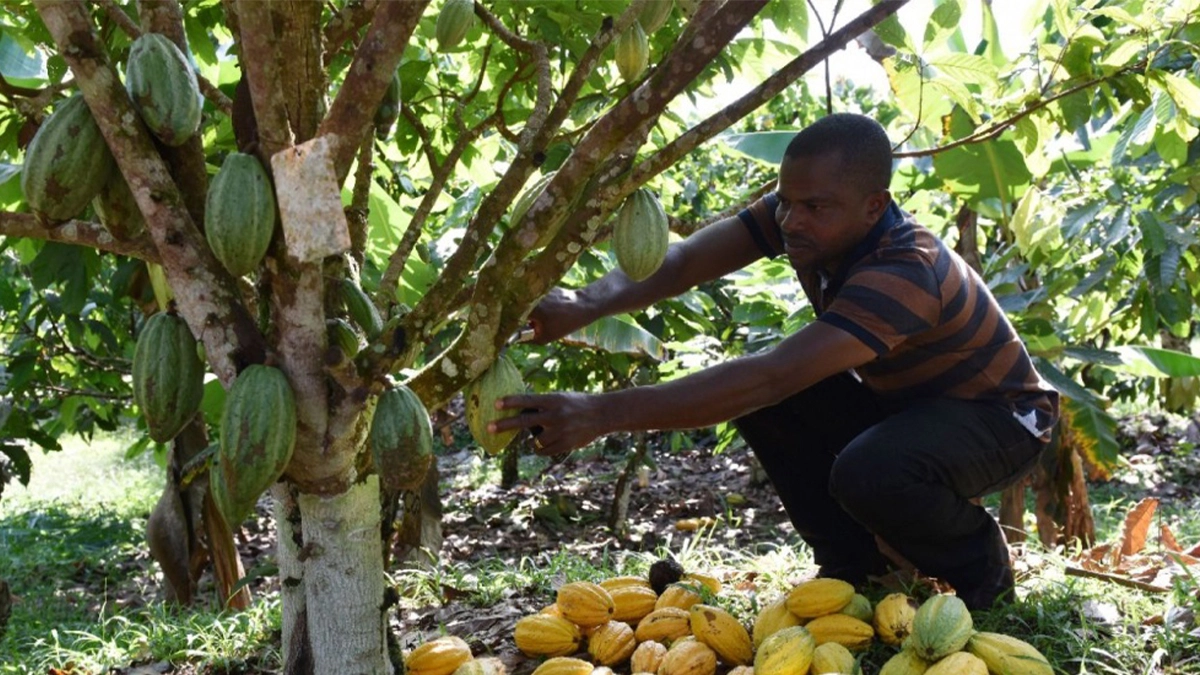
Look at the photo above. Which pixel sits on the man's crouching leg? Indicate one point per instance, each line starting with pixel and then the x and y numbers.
pixel 910 479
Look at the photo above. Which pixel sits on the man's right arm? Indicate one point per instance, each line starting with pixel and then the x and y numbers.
pixel 710 253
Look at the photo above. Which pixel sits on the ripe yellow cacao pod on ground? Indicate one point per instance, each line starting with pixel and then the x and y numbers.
pixel 682 596
pixel 442 656
pixel 718 629
pixel 631 603
pixel 831 657
pixel 612 643
pixel 647 657
pixel 584 603
pixel 550 610
pixel 1008 655
pixel 689 658
pixel 785 652
pixel 958 663
pixel 741 670
pixel 713 584
pixel 618 582
pixel 859 608
pixel 941 626
pixel 905 662
pixel 664 625
pixel 894 618
pixel 546 635
pixel 486 666
pixel 818 597
pixel 564 665
pixel 842 629
pixel 774 617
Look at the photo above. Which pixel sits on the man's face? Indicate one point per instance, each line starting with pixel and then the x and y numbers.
pixel 823 213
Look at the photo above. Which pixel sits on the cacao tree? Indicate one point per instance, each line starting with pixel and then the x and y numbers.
pixel 399 256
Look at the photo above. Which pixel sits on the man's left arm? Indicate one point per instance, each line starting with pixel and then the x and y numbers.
pixel 722 392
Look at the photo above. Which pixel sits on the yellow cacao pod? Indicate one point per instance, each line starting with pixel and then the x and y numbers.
pixel 584 603
pixel 772 618
pixel 442 656
pixel 842 629
pixel 785 652
pixel 712 583
pixel 602 670
pixel 859 608
pixel 502 379
pixel 682 596
pixel 647 657
pixel 958 663
pixel 612 643
pixel 633 52
pixel 654 14
pixel 485 666
pixel 689 658
pixel 631 603
pixel 941 626
pixel 664 625
pixel 905 662
pixel 831 657
pixel 718 629
pixel 741 670
pixel 564 665
pixel 894 618
pixel 546 635
pixel 1007 654
pixel 818 597
pixel 550 610
pixel 628 580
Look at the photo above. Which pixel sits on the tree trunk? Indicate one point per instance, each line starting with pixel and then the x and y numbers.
pixel 297 652
pixel 343 580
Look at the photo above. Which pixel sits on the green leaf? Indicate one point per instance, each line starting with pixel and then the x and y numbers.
pixel 789 16
pixel 942 23
pixel 966 68
pixel 1157 362
pixel 618 334
pixel 990 170
pixel 1093 433
pixel 891 31
pixel 990 46
pixel 18 62
pixel 767 147
pixel 1184 92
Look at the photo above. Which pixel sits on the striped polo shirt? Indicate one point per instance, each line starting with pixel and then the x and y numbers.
pixel 935 326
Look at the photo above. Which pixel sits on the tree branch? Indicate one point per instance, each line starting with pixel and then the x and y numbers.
pixel 261 68
pixel 995 129
pixel 78 232
pixel 346 24
pixel 207 296
pixel 370 73
pixel 770 87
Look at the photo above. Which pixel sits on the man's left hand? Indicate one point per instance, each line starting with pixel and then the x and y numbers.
pixel 568 420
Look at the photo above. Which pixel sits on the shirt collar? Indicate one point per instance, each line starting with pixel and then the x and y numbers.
pixel 891 216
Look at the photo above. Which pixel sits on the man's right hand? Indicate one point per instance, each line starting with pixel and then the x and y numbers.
pixel 558 314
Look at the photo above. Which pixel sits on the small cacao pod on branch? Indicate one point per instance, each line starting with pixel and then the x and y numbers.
pixel 502 379
pixel 164 89
pixel 453 22
pixel 168 375
pixel 401 439
pixel 239 213
pixel 66 163
pixel 633 52
pixel 641 235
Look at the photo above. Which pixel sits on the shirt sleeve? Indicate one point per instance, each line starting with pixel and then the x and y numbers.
pixel 759 219
pixel 887 300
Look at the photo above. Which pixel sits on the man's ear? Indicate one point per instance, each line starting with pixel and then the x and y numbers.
pixel 877 203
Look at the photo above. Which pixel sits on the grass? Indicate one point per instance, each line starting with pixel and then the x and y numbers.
pixel 71 547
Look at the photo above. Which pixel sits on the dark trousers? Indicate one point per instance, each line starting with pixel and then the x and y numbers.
pixel 848 467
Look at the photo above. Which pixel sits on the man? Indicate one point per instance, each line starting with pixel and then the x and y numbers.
pixel 908 396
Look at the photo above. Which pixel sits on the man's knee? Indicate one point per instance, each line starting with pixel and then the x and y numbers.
pixel 851 480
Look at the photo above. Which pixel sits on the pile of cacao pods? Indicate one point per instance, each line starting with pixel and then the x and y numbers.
pixel 626 623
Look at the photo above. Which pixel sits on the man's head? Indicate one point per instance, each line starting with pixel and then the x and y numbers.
pixel 833 184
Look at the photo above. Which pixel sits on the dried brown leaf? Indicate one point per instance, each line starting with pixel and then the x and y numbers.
pixel 1168 540
pixel 1137 525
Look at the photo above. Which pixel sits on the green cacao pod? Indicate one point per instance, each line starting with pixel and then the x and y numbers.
pixel 258 433
pixel 859 608
pixel 164 89
pixel 343 336
pixel 641 235
pixel 361 309
pixel 654 14
pixel 453 22
pixel 66 163
pixel 168 375
pixel 117 209
pixel 941 626
pixel 502 379
pixel 239 213
pixel 832 657
pixel 1008 655
pixel 389 108
pixel 526 200
pixel 401 439
pixel 633 52
pixel 904 662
